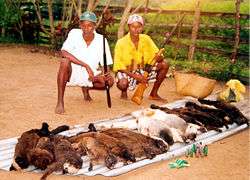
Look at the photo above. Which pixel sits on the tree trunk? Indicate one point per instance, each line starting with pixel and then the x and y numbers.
pixel 237 31
pixel 3 32
pixel 146 7
pixel 92 5
pixel 51 23
pixel 195 30
pixel 38 13
pixel 177 45
pixel 79 7
pixel 124 18
pixel 104 10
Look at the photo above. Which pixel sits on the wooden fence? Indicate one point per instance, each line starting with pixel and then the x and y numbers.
pixel 183 35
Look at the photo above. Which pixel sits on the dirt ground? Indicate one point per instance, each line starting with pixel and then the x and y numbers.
pixel 28 94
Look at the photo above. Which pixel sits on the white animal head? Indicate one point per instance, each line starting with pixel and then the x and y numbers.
pixel 69 168
pixel 193 129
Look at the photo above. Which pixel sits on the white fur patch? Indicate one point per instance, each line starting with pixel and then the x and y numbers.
pixel 70 168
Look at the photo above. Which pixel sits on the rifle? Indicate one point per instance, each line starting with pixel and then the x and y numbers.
pixel 138 95
pixel 105 73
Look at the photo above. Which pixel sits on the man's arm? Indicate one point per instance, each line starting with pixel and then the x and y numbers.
pixel 74 60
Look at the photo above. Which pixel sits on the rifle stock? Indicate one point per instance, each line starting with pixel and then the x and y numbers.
pixel 138 95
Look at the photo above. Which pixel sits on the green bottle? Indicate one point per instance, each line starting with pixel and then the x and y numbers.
pixel 205 150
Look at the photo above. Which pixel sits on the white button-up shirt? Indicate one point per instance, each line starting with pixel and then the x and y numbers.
pixel 91 55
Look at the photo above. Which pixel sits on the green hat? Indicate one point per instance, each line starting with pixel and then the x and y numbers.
pixel 88 16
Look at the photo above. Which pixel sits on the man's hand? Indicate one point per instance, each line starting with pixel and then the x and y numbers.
pixel 140 78
pixel 108 77
pixel 90 72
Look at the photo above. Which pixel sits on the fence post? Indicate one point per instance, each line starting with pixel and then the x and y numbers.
pixel 195 29
pixel 177 45
pixel 237 31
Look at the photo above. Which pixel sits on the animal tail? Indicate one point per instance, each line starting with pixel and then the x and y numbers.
pixel 167 136
pixel 153 106
pixel 50 169
pixel 59 129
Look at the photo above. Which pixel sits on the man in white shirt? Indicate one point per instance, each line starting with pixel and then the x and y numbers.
pixel 83 54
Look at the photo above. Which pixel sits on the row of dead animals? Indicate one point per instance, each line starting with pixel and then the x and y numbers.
pixel 182 124
pixel 46 150
pixel 51 152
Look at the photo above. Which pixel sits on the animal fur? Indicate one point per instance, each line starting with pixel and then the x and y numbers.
pixel 66 158
pixel 24 151
pixel 214 112
pixel 232 111
pixel 98 142
pixel 195 117
pixel 169 127
pixel 139 144
pixel 43 154
pixel 26 142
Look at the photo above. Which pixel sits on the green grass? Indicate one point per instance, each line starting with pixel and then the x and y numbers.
pixel 206 5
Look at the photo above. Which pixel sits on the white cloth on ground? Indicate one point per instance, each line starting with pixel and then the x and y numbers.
pixel 91 55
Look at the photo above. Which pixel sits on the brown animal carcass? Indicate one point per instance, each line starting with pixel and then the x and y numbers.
pixel 26 142
pixel 66 158
pixel 103 141
pixel 139 144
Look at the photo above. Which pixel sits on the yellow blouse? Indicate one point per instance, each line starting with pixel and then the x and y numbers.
pixel 126 53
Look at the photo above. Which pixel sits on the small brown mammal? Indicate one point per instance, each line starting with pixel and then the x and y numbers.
pixel 139 144
pixel 43 154
pixel 26 142
pixel 96 150
pixel 66 158
pixel 24 149
pixel 96 141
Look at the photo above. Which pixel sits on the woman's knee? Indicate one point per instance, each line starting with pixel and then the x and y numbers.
pixel 122 84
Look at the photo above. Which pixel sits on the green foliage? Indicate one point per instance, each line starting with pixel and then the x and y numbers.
pixel 214 66
pixel 207 5
pixel 217 68
pixel 10 14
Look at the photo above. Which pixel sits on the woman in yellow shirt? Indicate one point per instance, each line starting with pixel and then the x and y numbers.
pixel 132 53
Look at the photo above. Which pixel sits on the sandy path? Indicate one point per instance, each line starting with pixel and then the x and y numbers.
pixel 28 96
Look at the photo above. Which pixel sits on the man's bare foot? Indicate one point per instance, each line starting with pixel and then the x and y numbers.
pixel 59 109
pixel 157 98
pixel 124 95
pixel 87 98
pixel 86 95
